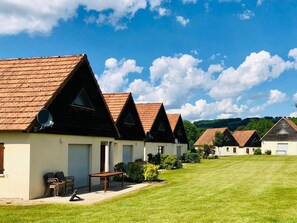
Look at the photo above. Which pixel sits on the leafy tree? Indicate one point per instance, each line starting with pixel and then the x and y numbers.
pixel 261 125
pixel 219 139
pixel 192 132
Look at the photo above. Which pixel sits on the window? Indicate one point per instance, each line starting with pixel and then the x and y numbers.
pixel 247 151
pixel 161 127
pixel 255 140
pixel 161 149
pixel 1 158
pixel 83 100
pixel 129 120
pixel 234 150
pixel 227 149
pixel 179 132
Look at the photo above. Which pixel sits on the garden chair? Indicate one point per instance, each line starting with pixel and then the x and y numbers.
pixel 69 181
pixel 51 183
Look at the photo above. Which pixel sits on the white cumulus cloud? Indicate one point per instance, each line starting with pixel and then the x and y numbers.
pixel 37 16
pixel 115 75
pixel 256 69
pixel 247 14
pixel 182 20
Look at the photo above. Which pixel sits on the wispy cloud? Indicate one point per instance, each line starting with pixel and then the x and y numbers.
pixel 182 20
pixel 246 15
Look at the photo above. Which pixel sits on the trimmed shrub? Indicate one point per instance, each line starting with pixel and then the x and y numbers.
pixel 151 172
pixel 135 171
pixel 258 152
pixel 211 156
pixel 154 159
pixel 268 152
pixel 191 157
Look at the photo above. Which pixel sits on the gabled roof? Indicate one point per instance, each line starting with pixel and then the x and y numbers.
pixel 208 136
pixel 173 119
pixel 290 122
pixel 29 85
pixel 148 113
pixel 243 136
pixel 116 103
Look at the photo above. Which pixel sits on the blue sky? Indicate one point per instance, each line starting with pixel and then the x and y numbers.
pixel 205 59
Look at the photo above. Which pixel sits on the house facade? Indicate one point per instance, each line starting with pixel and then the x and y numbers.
pixel 248 141
pixel 129 146
pixel 159 137
pixel 180 137
pixel 81 137
pixel 230 147
pixel 281 139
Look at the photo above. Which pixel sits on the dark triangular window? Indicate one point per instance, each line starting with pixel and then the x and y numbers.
pixel 129 120
pixel 83 100
pixel 255 140
pixel 161 127
pixel 179 132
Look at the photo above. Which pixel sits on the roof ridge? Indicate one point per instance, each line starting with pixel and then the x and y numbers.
pixel 42 57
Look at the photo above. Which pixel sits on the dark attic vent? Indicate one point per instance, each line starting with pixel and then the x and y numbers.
pixel 161 127
pixel 83 100
pixel 129 120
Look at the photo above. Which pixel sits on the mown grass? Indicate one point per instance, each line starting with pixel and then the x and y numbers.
pixel 230 189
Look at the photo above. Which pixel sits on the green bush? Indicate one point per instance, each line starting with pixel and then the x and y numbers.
pixel 258 152
pixel 135 172
pixel 154 159
pixel 169 162
pixel 268 152
pixel 151 172
pixel 190 157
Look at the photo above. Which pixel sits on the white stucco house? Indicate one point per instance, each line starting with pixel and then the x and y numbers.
pixel 82 134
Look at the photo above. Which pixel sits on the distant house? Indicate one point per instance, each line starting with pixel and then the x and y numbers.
pixel 248 141
pixel 129 146
pixel 180 137
pixel 230 146
pixel 78 142
pixel 281 139
pixel 159 137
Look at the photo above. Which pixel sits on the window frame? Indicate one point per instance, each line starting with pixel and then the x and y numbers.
pixel 2 148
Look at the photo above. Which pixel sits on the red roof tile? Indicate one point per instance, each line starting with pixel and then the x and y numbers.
pixel 116 102
pixel 243 136
pixel 208 136
pixel 173 119
pixel 28 85
pixel 148 113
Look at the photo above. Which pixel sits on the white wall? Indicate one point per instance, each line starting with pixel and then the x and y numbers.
pixel 118 150
pixel 14 183
pixel 268 145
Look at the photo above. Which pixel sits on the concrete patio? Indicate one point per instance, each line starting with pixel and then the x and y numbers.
pixel 96 195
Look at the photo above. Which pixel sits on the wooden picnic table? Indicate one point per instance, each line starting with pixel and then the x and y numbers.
pixel 105 175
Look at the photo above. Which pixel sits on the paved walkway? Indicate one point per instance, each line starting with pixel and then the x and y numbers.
pixel 96 195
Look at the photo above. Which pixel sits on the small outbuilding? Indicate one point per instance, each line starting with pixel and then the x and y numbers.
pixel 248 141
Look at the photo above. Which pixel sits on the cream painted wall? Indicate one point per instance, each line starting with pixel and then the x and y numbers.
pixel 49 153
pixel 268 145
pixel 14 183
pixel 152 147
pixel 222 151
pixel 118 150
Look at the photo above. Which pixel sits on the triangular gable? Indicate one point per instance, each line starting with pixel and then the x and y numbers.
pixel 124 113
pixel 152 116
pixel 53 83
pixel 283 130
pixel 177 127
pixel 29 84
pixel 247 138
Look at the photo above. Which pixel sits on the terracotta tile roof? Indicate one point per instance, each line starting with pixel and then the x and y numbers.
pixel 208 136
pixel 291 123
pixel 116 102
pixel 243 136
pixel 28 85
pixel 148 113
pixel 173 119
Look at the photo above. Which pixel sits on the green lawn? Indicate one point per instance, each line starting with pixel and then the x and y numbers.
pixel 230 189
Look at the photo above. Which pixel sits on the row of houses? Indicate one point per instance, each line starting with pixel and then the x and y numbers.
pixel 281 139
pixel 88 131
pixel 237 143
